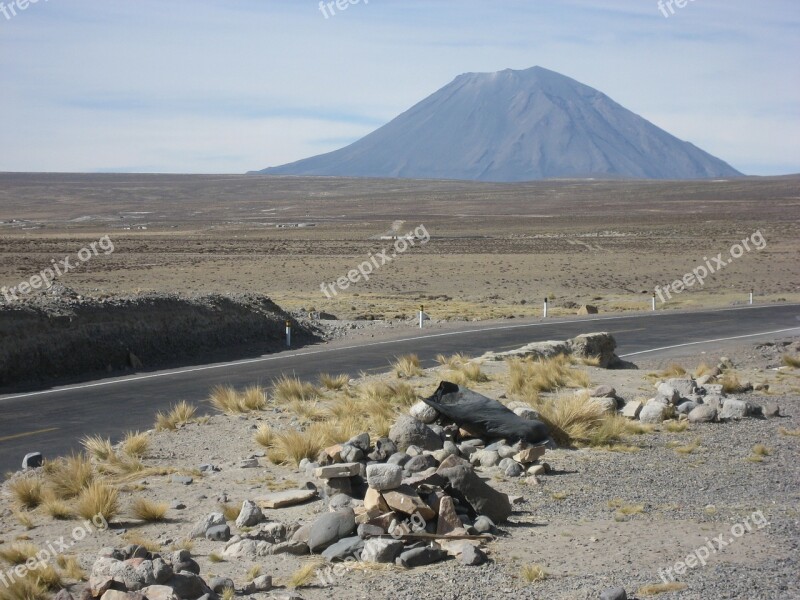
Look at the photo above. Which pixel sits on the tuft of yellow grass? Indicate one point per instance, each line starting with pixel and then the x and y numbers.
pixel 253 572
pixel 731 384
pixel 264 435
pixel 472 373
pixel 98 447
pixel 661 588
pixel 761 450
pixel 98 498
pixel 18 553
pixel 253 398
pixel 148 511
pixel 67 477
pixel 180 414
pixel 135 444
pixel 288 389
pixel 24 588
pixel 215 557
pixel 559 496
pixel 230 511
pixel 334 383
pixel 789 432
pixel 689 448
pixel 71 568
pixel 453 361
pixel 528 377
pixel 676 426
pixel 533 573
pixel 138 540
pixel 57 508
pixel 577 419
pixel 24 519
pixel 228 593
pixel 27 491
pixel 407 365
pixel 672 370
pixel 303 576
pixel 791 361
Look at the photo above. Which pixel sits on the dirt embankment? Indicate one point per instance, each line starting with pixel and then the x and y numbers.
pixel 65 336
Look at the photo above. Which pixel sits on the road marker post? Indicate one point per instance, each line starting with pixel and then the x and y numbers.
pixel 751 296
pixel 421 316
pixel 288 334
pixel 654 301
pixel 545 308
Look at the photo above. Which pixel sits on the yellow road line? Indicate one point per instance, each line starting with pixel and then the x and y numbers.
pixel 21 435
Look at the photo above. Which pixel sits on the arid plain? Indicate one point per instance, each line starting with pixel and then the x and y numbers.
pixel 495 250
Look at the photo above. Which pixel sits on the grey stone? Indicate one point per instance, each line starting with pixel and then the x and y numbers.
pixel 471 556
pixel 595 345
pixel 734 409
pixel 272 532
pixel 488 458
pixel 384 448
pixel 343 549
pixel 351 454
pixel 134 576
pixel 381 550
pixel 514 470
pixel 188 586
pixel 407 431
pixel 361 441
pixel 527 413
pixel 653 413
pixel 219 533
pixel 365 531
pixel 211 520
pixel 294 548
pixel 339 502
pixel 703 414
pixel 632 409
pixel 219 584
pixel 484 499
pixel 250 515
pixel 506 451
pixel 330 528
pixel 771 409
pixel 686 407
pixel 182 479
pixel 418 557
pixel 248 463
pixel 682 387
pixel 604 391
pixel 337 485
pixel 32 460
pixel 398 458
pixel 385 476
pixel 247 548
pixel 338 471
pixel 614 594
pixel 609 404
pixel 420 463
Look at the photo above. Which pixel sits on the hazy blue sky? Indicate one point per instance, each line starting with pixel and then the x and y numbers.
pixel 228 86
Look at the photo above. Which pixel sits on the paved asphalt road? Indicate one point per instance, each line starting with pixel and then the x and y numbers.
pixel 52 421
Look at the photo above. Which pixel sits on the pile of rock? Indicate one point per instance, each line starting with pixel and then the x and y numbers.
pixel 696 400
pixel 411 498
pixel 597 346
pixel 133 573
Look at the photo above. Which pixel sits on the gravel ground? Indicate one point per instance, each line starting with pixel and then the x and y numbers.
pixel 571 523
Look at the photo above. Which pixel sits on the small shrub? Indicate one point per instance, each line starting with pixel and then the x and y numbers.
pixel 791 361
pixel 288 389
pixel 148 511
pixel 68 477
pixel 135 444
pixel 98 447
pixel 180 414
pixel 407 365
pixel 98 499
pixel 18 553
pixel 661 588
pixel 533 573
pixel 71 568
pixel 676 426
pixel 304 575
pixel 27 492
pixel 264 435
pixel 334 383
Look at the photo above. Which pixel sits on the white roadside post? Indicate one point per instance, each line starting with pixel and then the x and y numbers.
pixel 421 316
pixel 288 334
pixel 545 308
pixel 654 301
pixel 751 296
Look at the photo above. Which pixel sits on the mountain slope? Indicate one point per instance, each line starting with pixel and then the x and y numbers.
pixel 516 126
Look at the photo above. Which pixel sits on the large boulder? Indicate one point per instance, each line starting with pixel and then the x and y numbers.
pixel 330 528
pixel 407 431
pixel 484 499
pixel 595 345
pixel 654 413
pixel 380 550
pixel 735 409
pixel 249 515
pixel 703 414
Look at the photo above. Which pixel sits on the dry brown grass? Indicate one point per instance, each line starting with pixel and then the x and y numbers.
pixel 661 588
pixel 24 519
pixel 67 477
pixel 731 384
pixel 676 426
pixel 576 419
pixel 71 568
pixel 253 572
pixel 98 447
pixel 98 498
pixel 670 372
pixel 791 361
pixel 137 539
pixel 466 373
pixel 264 435
pixel 533 573
pixel 703 369
pixel 334 383
pixel 453 361
pixel 228 400
pixel 407 365
pixel 303 576
pixel 18 553
pixel 148 511
pixel 789 432
pixel 27 491
pixel 56 507
pixel 289 389
pixel 180 414
pixel 230 511
pixel 135 444
pixel 228 593
pixel 689 448
pixel 529 377
pixel 24 589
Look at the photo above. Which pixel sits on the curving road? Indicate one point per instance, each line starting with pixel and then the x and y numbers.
pixel 53 420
